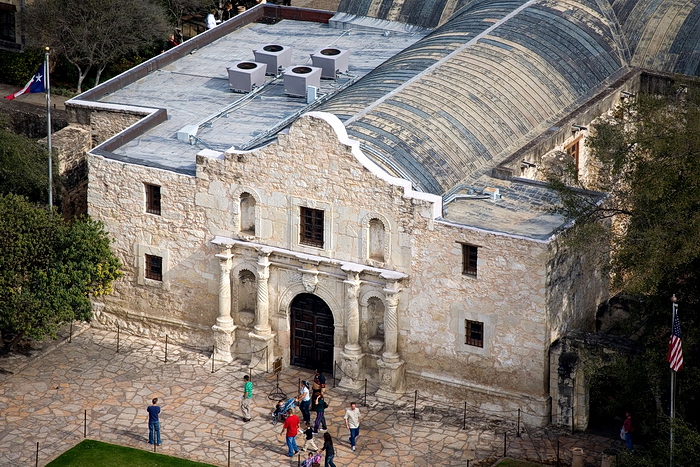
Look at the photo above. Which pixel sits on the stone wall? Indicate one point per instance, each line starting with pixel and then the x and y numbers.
pixel 315 166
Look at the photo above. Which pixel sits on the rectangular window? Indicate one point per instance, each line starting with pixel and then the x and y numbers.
pixel 474 332
pixel 154 267
pixel 153 199
pixel 7 22
pixel 311 227
pixel 573 151
pixel 469 259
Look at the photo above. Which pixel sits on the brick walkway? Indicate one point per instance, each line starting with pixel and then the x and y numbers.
pixel 44 397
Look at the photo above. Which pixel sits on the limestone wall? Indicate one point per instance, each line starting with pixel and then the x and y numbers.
pixel 311 167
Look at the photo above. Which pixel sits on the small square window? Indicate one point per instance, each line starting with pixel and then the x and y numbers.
pixel 154 267
pixel 469 259
pixel 311 227
pixel 474 333
pixel 152 199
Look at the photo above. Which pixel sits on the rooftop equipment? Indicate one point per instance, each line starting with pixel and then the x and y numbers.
pixel 331 60
pixel 274 56
pixel 245 76
pixel 298 78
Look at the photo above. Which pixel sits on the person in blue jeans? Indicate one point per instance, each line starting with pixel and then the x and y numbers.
pixel 352 422
pixel 153 423
pixel 328 449
pixel 291 427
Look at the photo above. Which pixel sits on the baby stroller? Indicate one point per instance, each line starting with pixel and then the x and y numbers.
pixel 279 414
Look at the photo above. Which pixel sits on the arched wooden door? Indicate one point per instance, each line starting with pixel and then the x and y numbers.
pixel 312 333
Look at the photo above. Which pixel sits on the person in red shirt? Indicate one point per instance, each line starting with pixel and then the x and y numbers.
pixel 291 425
pixel 628 428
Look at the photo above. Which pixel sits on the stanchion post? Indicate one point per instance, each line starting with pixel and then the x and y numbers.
pixel 117 338
pixel 335 364
pixel 464 417
pixel 505 442
pixel 517 433
pixel 250 374
pixel 415 401
pixel 365 404
pixel 166 349
pixel 229 453
pixel 37 454
pixel 70 333
pixel 267 359
pixel 85 425
pixel 213 355
pixel 298 460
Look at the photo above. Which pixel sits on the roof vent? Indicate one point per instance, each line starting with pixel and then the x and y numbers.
pixel 494 193
pixel 331 60
pixel 244 76
pixel 298 78
pixel 274 56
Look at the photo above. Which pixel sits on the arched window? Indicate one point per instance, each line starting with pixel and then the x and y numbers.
pixel 247 214
pixel 377 237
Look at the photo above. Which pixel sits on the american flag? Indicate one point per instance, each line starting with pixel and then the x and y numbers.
pixel 675 351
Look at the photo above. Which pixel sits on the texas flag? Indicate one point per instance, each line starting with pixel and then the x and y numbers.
pixel 36 84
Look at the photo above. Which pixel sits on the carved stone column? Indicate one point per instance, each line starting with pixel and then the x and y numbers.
pixel 351 363
pixel 392 370
pixel 262 338
pixel 262 307
pixel 224 329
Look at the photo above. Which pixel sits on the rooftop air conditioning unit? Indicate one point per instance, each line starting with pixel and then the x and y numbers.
pixel 244 76
pixel 274 56
pixel 298 78
pixel 331 60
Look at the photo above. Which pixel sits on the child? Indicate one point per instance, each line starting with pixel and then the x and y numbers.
pixel 278 413
pixel 309 434
pixel 313 459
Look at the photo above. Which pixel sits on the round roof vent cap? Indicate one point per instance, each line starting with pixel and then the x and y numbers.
pixel 273 48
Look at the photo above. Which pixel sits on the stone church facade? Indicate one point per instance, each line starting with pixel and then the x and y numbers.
pixel 394 230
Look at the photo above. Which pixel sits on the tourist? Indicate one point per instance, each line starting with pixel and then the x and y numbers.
pixel 628 428
pixel 291 426
pixel 328 449
pixel 246 398
pixel 319 383
pixel 211 19
pixel 153 422
pixel 321 406
pixel 309 443
pixel 304 399
pixel 352 422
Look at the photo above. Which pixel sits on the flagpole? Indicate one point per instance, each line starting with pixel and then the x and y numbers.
pixel 48 125
pixel 674 310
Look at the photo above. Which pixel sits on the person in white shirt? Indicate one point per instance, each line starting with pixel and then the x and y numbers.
pixel 211 19
pixel 352 422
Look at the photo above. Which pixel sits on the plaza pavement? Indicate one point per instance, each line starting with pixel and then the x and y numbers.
pixel 44 398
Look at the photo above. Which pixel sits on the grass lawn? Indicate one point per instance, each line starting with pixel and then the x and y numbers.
pixel 515 463
pixel 90 453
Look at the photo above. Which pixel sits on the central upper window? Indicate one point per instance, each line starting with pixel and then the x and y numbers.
pixel 311 227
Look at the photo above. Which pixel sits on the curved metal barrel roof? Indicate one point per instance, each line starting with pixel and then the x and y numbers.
pixel 491 78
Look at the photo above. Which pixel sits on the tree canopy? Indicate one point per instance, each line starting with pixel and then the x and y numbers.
pixel 648 157
pixel 24 167
pixel 49 269
pixel 91 34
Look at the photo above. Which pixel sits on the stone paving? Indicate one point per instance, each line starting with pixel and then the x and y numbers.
pixel 48 396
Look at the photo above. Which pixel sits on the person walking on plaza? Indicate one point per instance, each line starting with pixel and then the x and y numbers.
pixel 319 384
pixel 309 444
pixel 321 406
pixel 246 398
pixel 352 422
pixel 153 422
pixel 304 399
pixel 291 426
pixel 628 428
pixel 328 449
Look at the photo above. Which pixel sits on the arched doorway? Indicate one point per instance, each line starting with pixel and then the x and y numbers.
pixel 312 333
